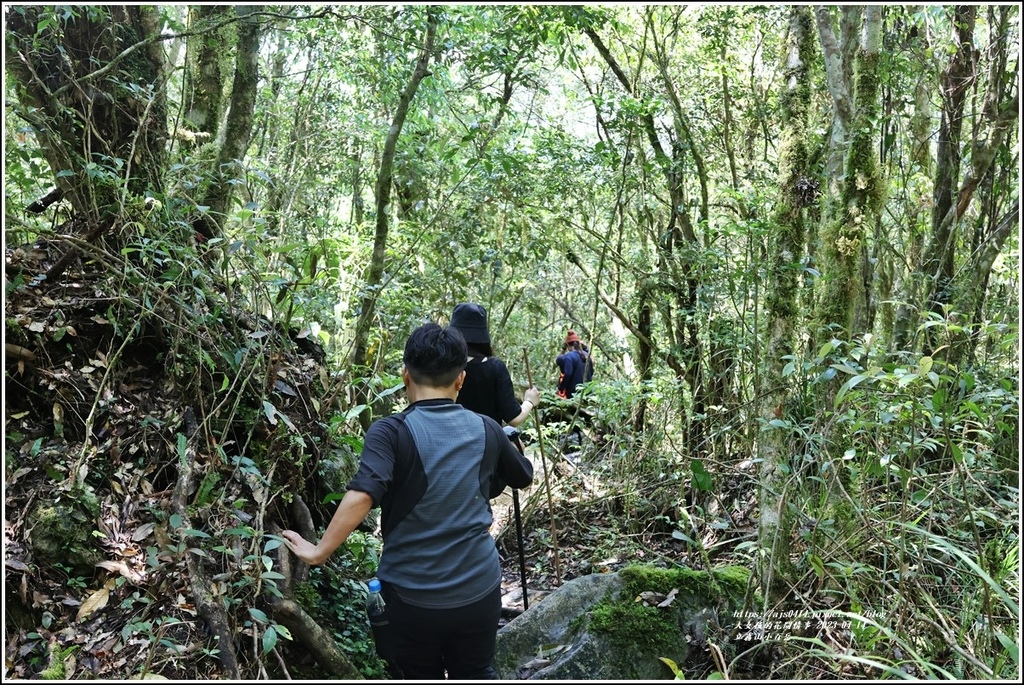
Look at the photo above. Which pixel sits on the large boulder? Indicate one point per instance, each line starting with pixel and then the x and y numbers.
pixel 618 626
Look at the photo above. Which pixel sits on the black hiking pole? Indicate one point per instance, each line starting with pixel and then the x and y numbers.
pixel 519 539
pixel 513 435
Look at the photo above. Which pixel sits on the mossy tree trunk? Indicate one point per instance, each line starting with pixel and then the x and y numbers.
pixel 385 176
pixel 234 139
pixel 962 282
pixel 645 356
pixel 954 85
pixel 949 264
pixel 207 66
pixel 841 304
pixel 90 84
pixel 907 287
pixel 838 53
pixel 782 305
pixel 842 300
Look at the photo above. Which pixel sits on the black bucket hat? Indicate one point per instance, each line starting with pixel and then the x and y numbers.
pixel 470 319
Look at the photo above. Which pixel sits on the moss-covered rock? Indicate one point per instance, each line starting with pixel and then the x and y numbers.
pixel 610 627
pixel 62 533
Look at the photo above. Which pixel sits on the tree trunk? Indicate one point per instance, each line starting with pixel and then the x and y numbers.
pixel 1000 113
pixel 843 296
pixel 680 282
pixel 908 284
pixel 90 83
pixel 954 85
pixel 356 161
pixel 207 67
pixel 683 243
pixel 644 351
pixel 773 445
pixel 372 283
pixel 297 176
pixel 941 286
pixel 237 128
pixel 839 54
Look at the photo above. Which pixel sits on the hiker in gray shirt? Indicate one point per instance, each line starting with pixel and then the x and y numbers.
pixel 431 469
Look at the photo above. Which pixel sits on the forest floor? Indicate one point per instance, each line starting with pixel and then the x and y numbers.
pixel 599 530
pixel 133 612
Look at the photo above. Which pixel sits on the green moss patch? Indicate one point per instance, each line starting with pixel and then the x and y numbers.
pixel 636 627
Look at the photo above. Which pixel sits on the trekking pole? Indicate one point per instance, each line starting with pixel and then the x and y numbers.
pixel 513 436
pixel 547 482
pixel 519 539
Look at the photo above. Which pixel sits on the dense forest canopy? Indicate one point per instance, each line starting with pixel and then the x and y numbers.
pixel 790 235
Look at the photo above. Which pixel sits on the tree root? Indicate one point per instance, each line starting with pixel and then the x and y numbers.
pixel 289 613
pixel 285 610
pixel 212 611
pixel 313 637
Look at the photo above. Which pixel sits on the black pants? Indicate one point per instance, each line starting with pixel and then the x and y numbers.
pixel 429 642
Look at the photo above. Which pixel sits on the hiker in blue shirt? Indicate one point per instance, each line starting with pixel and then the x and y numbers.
pixel 574 364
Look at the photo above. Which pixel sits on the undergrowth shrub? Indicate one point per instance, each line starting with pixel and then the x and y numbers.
pixel 918 543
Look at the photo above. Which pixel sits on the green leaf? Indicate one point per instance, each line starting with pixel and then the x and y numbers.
pixel 673 667
pixel 269 640
pixel 941 543
pixel 270 411
pixel 701 478
pixel 1011 647
pixel 195 533
pixel 258 615
pixel 847 386
pixel 354 411
pixel 975 409
pixel 816 563
pixel 845 368
pixel 906 379
pixel 182 444
pixel 390 391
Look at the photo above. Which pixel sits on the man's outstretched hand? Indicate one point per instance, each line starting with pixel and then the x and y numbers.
pixel 306 551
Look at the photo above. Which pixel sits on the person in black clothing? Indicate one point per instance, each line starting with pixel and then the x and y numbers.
pixel 488 387
pixel 430 469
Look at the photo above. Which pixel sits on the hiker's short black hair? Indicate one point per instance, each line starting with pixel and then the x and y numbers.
pixel 434 355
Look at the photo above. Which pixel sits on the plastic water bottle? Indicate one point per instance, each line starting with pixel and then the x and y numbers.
pixel 375 607
pixel 377 612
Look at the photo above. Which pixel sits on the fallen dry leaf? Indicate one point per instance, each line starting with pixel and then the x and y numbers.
pixel 96 600
pixel 668 600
